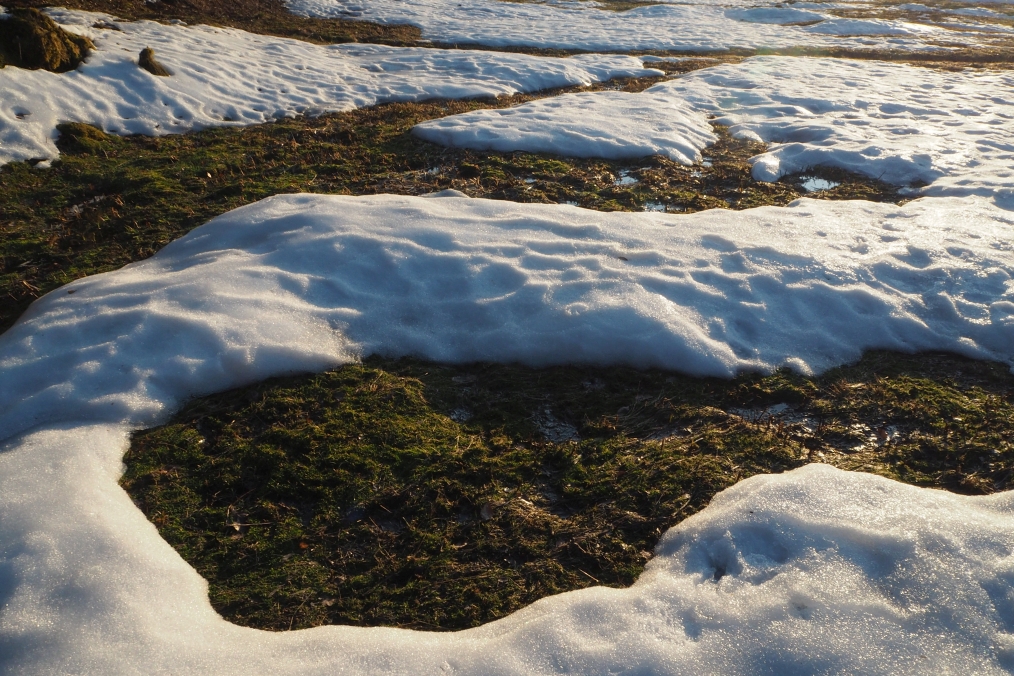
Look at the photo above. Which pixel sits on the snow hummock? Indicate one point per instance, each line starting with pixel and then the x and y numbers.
pixel 304 282
pixel 701 25
pixel 815 570
pixel 614 125
pixel 892 121
pixel 229 77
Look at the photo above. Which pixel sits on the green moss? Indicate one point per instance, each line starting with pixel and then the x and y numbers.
pixel 412 494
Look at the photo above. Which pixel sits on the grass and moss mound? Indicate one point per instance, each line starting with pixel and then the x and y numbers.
pixel 413 494
pixel 146 60
pixel 30 39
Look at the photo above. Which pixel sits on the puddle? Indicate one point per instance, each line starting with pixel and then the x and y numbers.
pixel 655 206
pixel 625 178
pixel 815 184
pixel 529 180
pixel 569 203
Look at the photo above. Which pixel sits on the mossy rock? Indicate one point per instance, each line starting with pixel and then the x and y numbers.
pixel 30 39
pixel 147 61
pixel 79 138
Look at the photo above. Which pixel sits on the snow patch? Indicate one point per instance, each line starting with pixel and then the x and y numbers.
pixel 614 125
pixel 304 282
pixel 775 15
pixel 225 77
pixel 895 122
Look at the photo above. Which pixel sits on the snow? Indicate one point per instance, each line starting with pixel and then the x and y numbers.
pixel 776 15
pixel 229 77
pixel 304 282
pixel 870 27
pixel 614 125
pixel 903 124
pixel 704 25
pixel 812 571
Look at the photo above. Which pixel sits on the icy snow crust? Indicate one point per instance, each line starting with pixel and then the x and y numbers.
pixel 812 571
pixel 230 77
pixel 707 25
pixel 614 125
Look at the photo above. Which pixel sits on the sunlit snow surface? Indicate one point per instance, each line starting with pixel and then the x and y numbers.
pixel 230 77
pixel 903 124
pixel 812 571
pixel 949 131
pixel 704 25
pixel 615 125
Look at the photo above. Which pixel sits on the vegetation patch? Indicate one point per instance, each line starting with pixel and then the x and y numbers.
pixel 109 200
pixel 411 494
pixel 30 39
pixel 147 61
pixel 267 17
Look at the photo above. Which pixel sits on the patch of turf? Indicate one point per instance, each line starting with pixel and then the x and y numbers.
pixel 267 17
pixel 412 494
pixel 110 200
pixel 30 39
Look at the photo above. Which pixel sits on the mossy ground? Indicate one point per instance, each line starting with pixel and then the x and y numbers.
pixel 411 494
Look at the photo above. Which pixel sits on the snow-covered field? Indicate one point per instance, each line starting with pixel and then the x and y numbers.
pixel 229 77
pixel 814 571
pixel 701 25
pixel 949 132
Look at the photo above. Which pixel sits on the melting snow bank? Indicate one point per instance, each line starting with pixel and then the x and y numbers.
pixel 581 125
pixel 813 571
pixel 816 570
pixel 892 121
pixel 230 77
pixel 303 282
